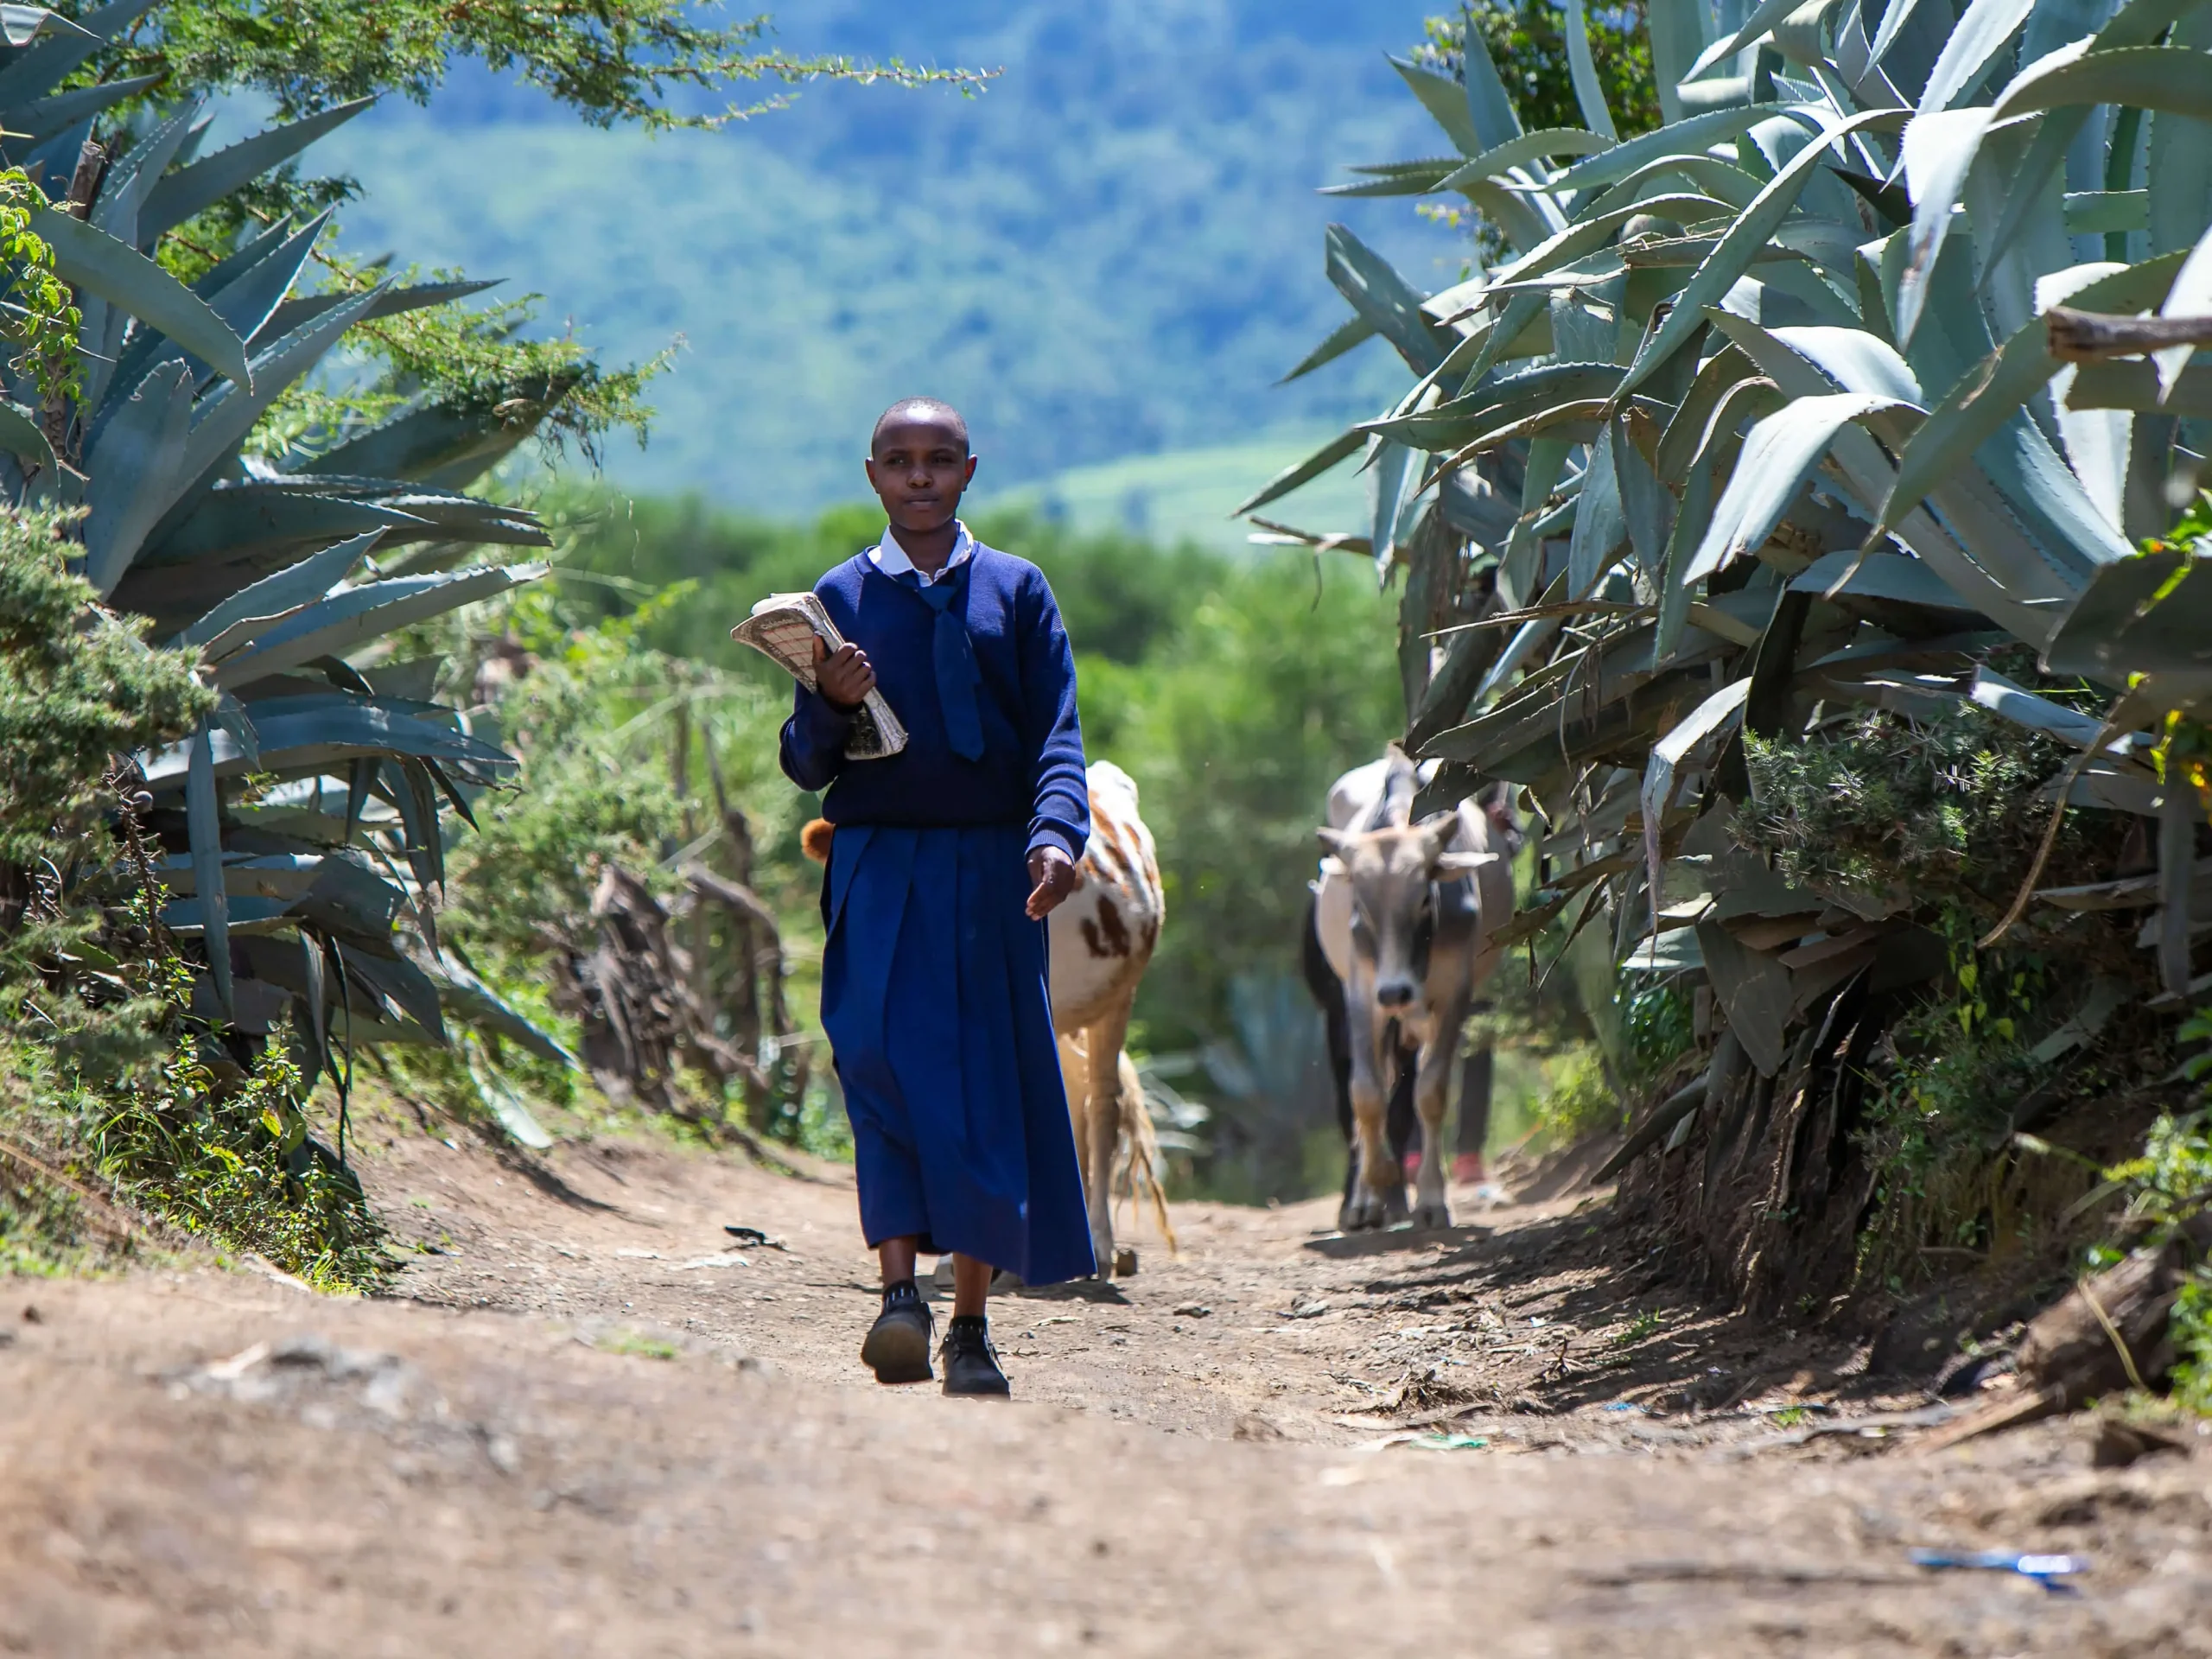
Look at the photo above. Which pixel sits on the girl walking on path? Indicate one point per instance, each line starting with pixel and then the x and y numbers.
pixel 946 858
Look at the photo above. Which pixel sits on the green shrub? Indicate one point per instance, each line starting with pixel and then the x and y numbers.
pixel 1658 1023
pixel 1943 808
pixel 2170 1183
pixel 1581 1101
pixel 236 1164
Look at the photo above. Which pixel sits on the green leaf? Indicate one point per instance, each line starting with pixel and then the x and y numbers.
pixel 1378 293
pixel 2133 384
pixel 1676 589
pixel 135 469
pixel 1693 136
pixel 1392 475
pixel 1684 438
pixel 1597 231
pixel 348 619
pixel 1517 569
pixel 2008 700
pixel 277 595
pixel 190 189
pixel 1353 331
pixel 19 25
pixel 36 122
pixel 399 982
pixel 1854 359
pixel 1993 393
pixel 1521 151
pixel 1780 450
pixel 124 186
pixel 252 298
pixel 1498 337
pixel 1897 14
pixel 2088 211
pixel 2151 615
pixel 1334 453
pixel 1718 713
pixel 1490 112
pixel 303 736
pixel 2169 78
pixel 2178 160
pixel 1732 256
pixel 1648 508
pixel 1986 28
pixel 45 64
pixel 1678 30
pixel 1582 70
pixel 1600 523
pixel 203 827
pixel 260 523
pixel 125 277
pixel 22 437
pixel 1939 153
pixel 435 445
pixel 391 300
pixel 466 998
pixel 1889 577
pixel 226 416
pixel 2136 24
pixel 1447 100
pixel 1762 20
pixel 1716 180
pixel 1504 398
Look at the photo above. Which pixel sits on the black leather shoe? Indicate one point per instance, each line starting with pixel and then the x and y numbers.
pixel 972 1364
pixel 898 1345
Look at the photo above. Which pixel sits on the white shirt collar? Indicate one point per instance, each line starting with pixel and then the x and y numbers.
pixel 889 557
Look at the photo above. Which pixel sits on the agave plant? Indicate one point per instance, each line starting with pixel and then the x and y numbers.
pixel 302 823
pixel 1760 419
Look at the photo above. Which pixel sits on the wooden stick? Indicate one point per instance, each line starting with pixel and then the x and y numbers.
pixel 2091 336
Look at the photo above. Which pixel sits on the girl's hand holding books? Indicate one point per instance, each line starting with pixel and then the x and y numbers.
pixel 844 675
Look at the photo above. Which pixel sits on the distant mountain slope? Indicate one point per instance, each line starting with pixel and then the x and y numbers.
pixel 1114 251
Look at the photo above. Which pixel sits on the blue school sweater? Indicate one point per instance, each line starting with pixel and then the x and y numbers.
pixel 1030 770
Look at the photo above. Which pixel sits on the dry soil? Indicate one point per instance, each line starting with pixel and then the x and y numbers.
pixel 583 1424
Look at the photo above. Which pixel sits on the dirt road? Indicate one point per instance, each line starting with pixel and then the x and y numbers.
pixel 585 1426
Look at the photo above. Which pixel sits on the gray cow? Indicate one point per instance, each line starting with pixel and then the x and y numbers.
pixel 1403 911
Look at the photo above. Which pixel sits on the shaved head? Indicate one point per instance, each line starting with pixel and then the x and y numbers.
pixel 920 411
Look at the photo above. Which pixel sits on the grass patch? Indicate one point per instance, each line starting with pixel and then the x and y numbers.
pixel 1644 1325
pixel 235 1164
pixel 1581 1102
pixel 635 1344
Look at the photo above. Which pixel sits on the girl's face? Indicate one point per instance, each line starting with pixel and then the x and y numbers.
pixel 919 470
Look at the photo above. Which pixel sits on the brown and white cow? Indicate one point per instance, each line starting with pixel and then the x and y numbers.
pixel 1100 940
pixel 1403 911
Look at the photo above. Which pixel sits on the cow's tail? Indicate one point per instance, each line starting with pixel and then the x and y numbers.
pixel 1143 1142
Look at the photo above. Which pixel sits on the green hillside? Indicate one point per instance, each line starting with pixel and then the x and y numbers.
pixel 1113 252
pixel 1187 495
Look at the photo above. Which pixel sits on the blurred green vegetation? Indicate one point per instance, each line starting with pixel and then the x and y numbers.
pixel 1233 688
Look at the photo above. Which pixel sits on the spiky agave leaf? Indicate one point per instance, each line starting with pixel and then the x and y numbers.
pixel 1776 380
pixel 301 822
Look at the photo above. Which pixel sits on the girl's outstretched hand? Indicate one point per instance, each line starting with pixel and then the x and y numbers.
pixel 1051 877
pixel 844 675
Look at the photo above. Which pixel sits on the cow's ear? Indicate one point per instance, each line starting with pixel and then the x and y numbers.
pixel 1332 841
pixel 1436 831
pixel 1464 863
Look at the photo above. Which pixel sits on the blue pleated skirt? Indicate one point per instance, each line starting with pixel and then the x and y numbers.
pixel 933 996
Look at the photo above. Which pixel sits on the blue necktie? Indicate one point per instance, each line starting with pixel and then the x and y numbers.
pixel 954 657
